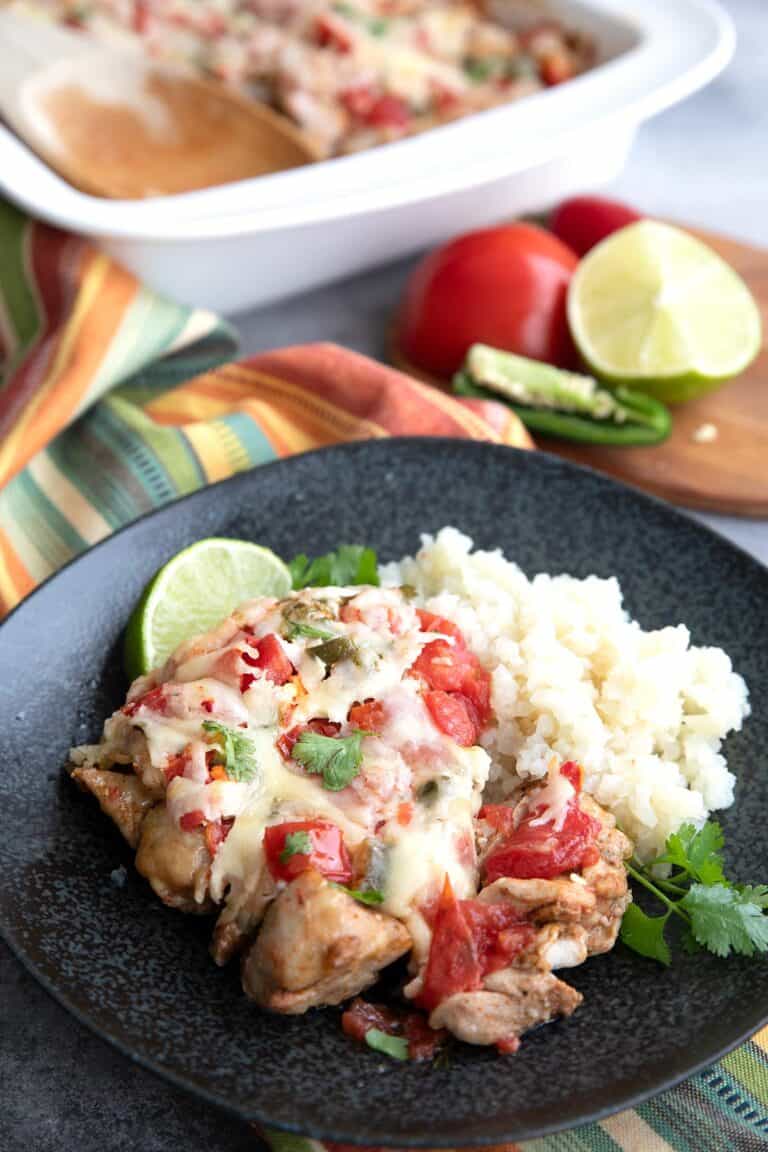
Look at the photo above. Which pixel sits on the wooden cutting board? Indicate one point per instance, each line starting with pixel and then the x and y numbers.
pixel 727 474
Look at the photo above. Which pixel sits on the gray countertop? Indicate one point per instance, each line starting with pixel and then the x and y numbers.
pixel 706 162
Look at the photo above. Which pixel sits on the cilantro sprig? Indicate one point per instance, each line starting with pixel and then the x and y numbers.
pixel 349 564
pixel 236 749
pixel 336 758
pixel 717 914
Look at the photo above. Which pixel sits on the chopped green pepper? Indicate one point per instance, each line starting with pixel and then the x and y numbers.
pixel 564 404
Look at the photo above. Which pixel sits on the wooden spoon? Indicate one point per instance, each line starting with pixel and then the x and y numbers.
pixel 114 124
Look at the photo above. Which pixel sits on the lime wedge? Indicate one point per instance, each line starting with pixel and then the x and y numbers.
pixel 196 589
pixel 655 309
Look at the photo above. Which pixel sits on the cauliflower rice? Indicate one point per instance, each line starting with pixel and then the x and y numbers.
pixel 644 713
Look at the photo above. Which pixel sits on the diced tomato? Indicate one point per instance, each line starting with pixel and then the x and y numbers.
pixel 328 855
pixel 330 34
pixel 451 668
pixel 556 68
pixel 498 931
pixel 175 766
pixel 440 665
pixel 509 1046
pixel 499 816
pixel 207 705
pixel 288 739
pixel 388 111
pixel 368 716
pixel 271 659
pixel 539 851
pixel 404 814
pixel 469 940
pixel 454 715
pixel 429 622
pixel 361 1016
pixel 444 98
pixel 216 833
pixel 574 773
pixel 358 101
pixel 140 21
pixel 191 820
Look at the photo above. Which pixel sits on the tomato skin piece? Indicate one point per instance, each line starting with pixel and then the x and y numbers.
pixel 191 820
pixel 329 855
pixel 454 715
pixel 583 221
pixel 440 665
pixel 502 286
pixel 453 964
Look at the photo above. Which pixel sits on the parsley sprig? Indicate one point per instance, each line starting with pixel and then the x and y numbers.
pixel 236 749
pixel 349 564
pixel 718 915
pixel 336 758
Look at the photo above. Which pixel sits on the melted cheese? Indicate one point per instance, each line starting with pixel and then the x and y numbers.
pixel 555 796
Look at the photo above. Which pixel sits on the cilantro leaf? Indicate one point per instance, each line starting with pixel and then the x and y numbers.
pixel 754 893
pixel 296 844
pixel 349 564
pixel 336 758
pixel 237 749
pixel 725 920
pixel 369 896
pixel 697 852
pixel 394 1046
pixel 645 934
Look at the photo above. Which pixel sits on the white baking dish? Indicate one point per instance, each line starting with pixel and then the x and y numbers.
pixel 244 244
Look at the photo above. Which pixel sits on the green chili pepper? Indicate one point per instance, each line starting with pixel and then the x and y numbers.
pixel 563 404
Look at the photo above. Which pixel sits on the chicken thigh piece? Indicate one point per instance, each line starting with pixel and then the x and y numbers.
pixel 318 945
pixel 509 1003
pixel 121 796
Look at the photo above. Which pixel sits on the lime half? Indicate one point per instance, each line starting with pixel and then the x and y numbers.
pixel 194 591
pixel 655 309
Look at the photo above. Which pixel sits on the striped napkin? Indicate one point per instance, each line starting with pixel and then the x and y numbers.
pixel 114 401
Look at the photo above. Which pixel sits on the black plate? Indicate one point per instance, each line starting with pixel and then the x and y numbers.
pixel 140 974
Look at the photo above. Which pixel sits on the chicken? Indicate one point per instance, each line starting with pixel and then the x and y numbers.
pixel 175 862
pixel 318 945
pixel 121 796
pixel 510 1002
pixel 234 928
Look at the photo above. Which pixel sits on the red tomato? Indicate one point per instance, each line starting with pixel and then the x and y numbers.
pixel 502 286
pixel 441 665
pixel 388 111
pixel 469 940
pixel 584 221
pixel 539 851
pixel 452 964
pixel 368 716
pixel 288 739
pixel 429 622
pixel 454 715
pixel 191 820
pixel 328 853
pixel 271 659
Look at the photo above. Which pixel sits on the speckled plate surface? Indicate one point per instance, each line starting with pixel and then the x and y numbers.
pixel 140 975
